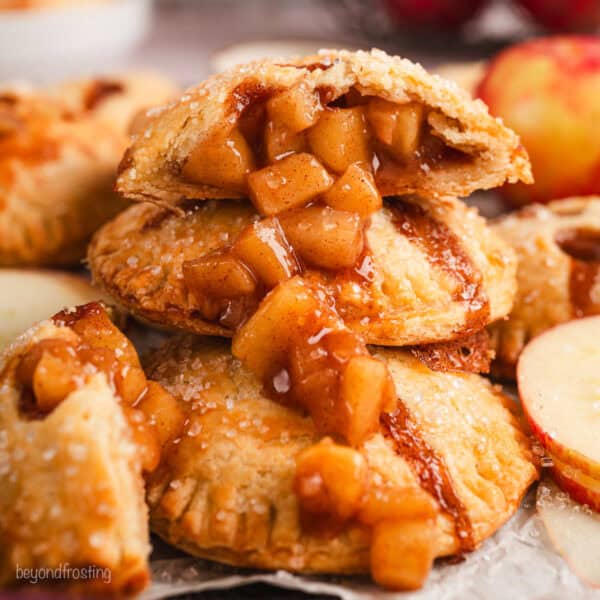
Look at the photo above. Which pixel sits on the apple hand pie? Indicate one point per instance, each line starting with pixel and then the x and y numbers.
pixel 412 273
pixel 75 435
pixel 118 99
pixel 285 133
pixel 58 158
pixel 252 482
pixel 558 247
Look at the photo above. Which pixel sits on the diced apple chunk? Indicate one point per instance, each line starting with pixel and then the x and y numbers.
pixel 162 411
pixel 263 342
pixel 340 138
pixel 291 182
pixel 324 237
pixel 265 249
pixel 54 378
pixel 280 141
pixel 219 275
pixel 385 502
pixel 297 108
pixel 402 553
pixel 397 125
pixel 355 191
pixel 330 479
pixel 364 391
pixel 223 160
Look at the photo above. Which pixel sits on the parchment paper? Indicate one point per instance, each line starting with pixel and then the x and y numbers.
pixel 517 563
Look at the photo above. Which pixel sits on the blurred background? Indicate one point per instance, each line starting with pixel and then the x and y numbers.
pixel 43 40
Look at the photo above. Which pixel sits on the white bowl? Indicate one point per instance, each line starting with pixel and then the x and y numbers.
pixel 48 44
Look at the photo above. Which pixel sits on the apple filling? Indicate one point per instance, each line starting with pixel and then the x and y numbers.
pixel 53 368
pixel 295 147
pixel 306 357
pixel 335 485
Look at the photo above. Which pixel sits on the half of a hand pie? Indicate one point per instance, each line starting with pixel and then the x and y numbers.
pixel 558 249
pixel 72 452
pixel 235 134
pixel 423 273
pixel 252 483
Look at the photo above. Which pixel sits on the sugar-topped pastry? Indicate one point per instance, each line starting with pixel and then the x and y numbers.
pixel 558 249
pixel 412 273
pixel 79 424
pixel 313 123
pixel 59 151
pixel 253 483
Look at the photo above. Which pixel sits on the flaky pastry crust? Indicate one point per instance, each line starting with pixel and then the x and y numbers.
pixel 59 150
pixel 559 258
pixel 151 169
pixel 72 488
pixel 415 291
pixel 225 491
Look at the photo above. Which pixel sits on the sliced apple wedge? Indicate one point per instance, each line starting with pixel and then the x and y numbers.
pixel 573 529
pixel 29 296
pixel 558 375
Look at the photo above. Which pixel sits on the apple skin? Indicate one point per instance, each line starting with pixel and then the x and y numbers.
pixel 579 485
pixel 564 15
pixel 547 90
pixel 434 14
pixel 579 492
pixel 564 454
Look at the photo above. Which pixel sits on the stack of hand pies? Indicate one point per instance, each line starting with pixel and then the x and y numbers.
pixel 303 215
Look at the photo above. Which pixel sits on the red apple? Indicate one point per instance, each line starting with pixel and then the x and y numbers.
pixel 438 14
pixel 581 487
pixel 547 90
pixel 564 15
pixel 573 530
pixel 558 376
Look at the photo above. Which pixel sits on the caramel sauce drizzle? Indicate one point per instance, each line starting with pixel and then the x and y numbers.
pixel 430 469
pixel 445 252
pixel 470 353
pixel 99 90
pixel 583 247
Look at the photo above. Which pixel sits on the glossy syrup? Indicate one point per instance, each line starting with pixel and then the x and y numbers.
pixel 430 469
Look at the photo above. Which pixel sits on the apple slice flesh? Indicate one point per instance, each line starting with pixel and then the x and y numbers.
pixel 30 295
pixel 573 529
pixel 558 375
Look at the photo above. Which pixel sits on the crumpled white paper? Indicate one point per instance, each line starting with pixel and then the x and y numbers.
pixel 518 562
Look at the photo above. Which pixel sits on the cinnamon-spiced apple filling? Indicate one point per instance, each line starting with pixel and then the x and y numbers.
pixel 294 146
pixel 53 368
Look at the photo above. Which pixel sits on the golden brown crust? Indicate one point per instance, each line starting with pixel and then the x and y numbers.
pixel 59 150
pixel 225 491
pixel 56 175
pixel 72 490
pixel 151 168
pixel 415 292
pixel 554 285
